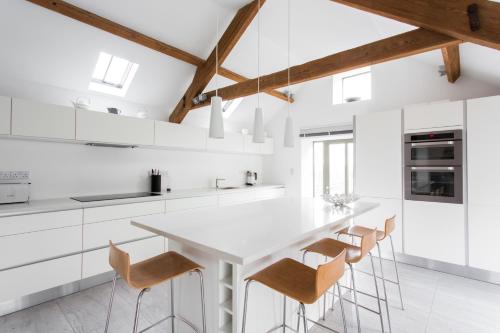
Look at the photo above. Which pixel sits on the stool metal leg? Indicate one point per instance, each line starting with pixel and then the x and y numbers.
pixel 113 288
pixel 385 288
pixel 284 314
pixel 355 297
pixel 245 305
pixel 341 306
pixel 324 298
pixel 138 308
pixel 172 309
pixel 378 295
pixel 202 294
pixel 397 273
pixel 303 307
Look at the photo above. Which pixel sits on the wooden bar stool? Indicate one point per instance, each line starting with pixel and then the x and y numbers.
pixel 331 248
pixel 148 273
pixel 301 283
pixel 389 227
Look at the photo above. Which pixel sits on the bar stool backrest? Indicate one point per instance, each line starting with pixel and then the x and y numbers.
pixel 328 274
pixel 120 261
pixel 368 242
pixel 390 225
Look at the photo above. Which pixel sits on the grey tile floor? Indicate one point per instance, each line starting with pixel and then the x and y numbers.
pixel 434 303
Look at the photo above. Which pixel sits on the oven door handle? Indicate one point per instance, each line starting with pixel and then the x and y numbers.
pixel 437 168
pixel 433 143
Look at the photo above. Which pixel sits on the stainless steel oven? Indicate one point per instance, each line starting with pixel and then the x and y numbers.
pixel 437 184
pixel 443 148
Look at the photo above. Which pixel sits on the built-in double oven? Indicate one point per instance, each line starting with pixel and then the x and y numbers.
pixel 433 166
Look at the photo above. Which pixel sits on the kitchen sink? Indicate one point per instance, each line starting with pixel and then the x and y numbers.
pixel 228 187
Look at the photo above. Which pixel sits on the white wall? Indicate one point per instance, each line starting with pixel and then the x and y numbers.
pixel 64 169
pixel 395 84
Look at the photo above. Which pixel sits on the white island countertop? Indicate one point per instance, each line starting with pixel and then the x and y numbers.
pixel 244 233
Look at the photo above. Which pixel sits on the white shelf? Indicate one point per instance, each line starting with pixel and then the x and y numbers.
pixel 227 282
pixel 227 306
pixel 227 328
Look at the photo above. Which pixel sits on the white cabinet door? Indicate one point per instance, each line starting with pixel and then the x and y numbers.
pixel 376 219
pixel 180 136
pixel 268 148
pixel 116 212
pixel 42 120
pixel 99 234
pixel 236 198
pixel 269 193
pixel 5 108
pixel 378 155
pixel 484 228
pixel 435 231
pixel 191 203
pixel 97 262
pixel 105 127
pixel 252 147
pixel 434 115
pixel 41 245
pixel 483 140
pixel 37 277
pixel 232 142
pixel 36 222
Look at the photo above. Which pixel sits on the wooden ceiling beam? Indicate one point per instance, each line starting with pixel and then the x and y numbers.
pixel 451 57
pixel 119 30
pixel 226 43
pixel 475 21
pixel 395 47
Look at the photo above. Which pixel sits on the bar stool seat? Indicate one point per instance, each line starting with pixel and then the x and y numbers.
pixel 291 278
pixel 332 248
pixel 360 231
pixel 155 270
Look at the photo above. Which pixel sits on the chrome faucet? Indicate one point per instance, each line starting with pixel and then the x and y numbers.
pixel 217 182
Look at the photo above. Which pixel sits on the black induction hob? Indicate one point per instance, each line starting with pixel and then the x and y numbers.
pixel 91 198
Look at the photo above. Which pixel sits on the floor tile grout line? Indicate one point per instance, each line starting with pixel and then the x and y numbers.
pixel 432 306
pixel 65 317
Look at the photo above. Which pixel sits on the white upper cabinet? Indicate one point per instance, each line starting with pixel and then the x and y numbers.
pixel 378 154
pixel 180 136
pixel 268 148
pixel 104 127
pixel 232 142
pixel 252 147
pixel 483 119
pixel 5 107
pixel 42 120
pixel 433 116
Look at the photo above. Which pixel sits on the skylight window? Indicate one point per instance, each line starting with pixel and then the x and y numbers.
pixel 352 86
pixel 228 107
pixel 112 75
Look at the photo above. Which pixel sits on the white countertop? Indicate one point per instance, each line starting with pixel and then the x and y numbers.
pixel 61 204
pixel 247 232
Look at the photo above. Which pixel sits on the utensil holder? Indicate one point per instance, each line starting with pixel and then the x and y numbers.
pixel 155 183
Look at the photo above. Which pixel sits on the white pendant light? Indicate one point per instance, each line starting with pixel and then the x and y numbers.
pixel 216 129
pixel 289 140
pixel 258 123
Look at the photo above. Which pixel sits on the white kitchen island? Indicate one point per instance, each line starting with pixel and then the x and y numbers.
pixel 234 242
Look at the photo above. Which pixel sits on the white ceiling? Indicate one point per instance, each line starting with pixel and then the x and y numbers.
pixel 45 47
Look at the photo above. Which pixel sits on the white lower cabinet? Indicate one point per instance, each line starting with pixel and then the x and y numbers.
pixel 34 246
pixel 376 219
pixel 266 194
pixel 116 212
pixel 99 234
pixel 38 277
pixel 37 222
pixel 484 228
pixel 236 198
pixel 5 108
pixel 190 203
pixel 97 262
pixel 435 231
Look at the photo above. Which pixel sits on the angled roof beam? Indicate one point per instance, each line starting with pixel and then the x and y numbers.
pixel 119 30
pixel 451 57
pixel 395 47
pixel 475 21
pixel 226 43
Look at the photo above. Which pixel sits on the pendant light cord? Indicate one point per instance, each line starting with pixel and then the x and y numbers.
pixel 288 71
pixel 258 53
pixel 217 57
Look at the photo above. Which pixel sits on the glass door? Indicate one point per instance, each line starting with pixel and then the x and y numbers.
pixel 333 167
